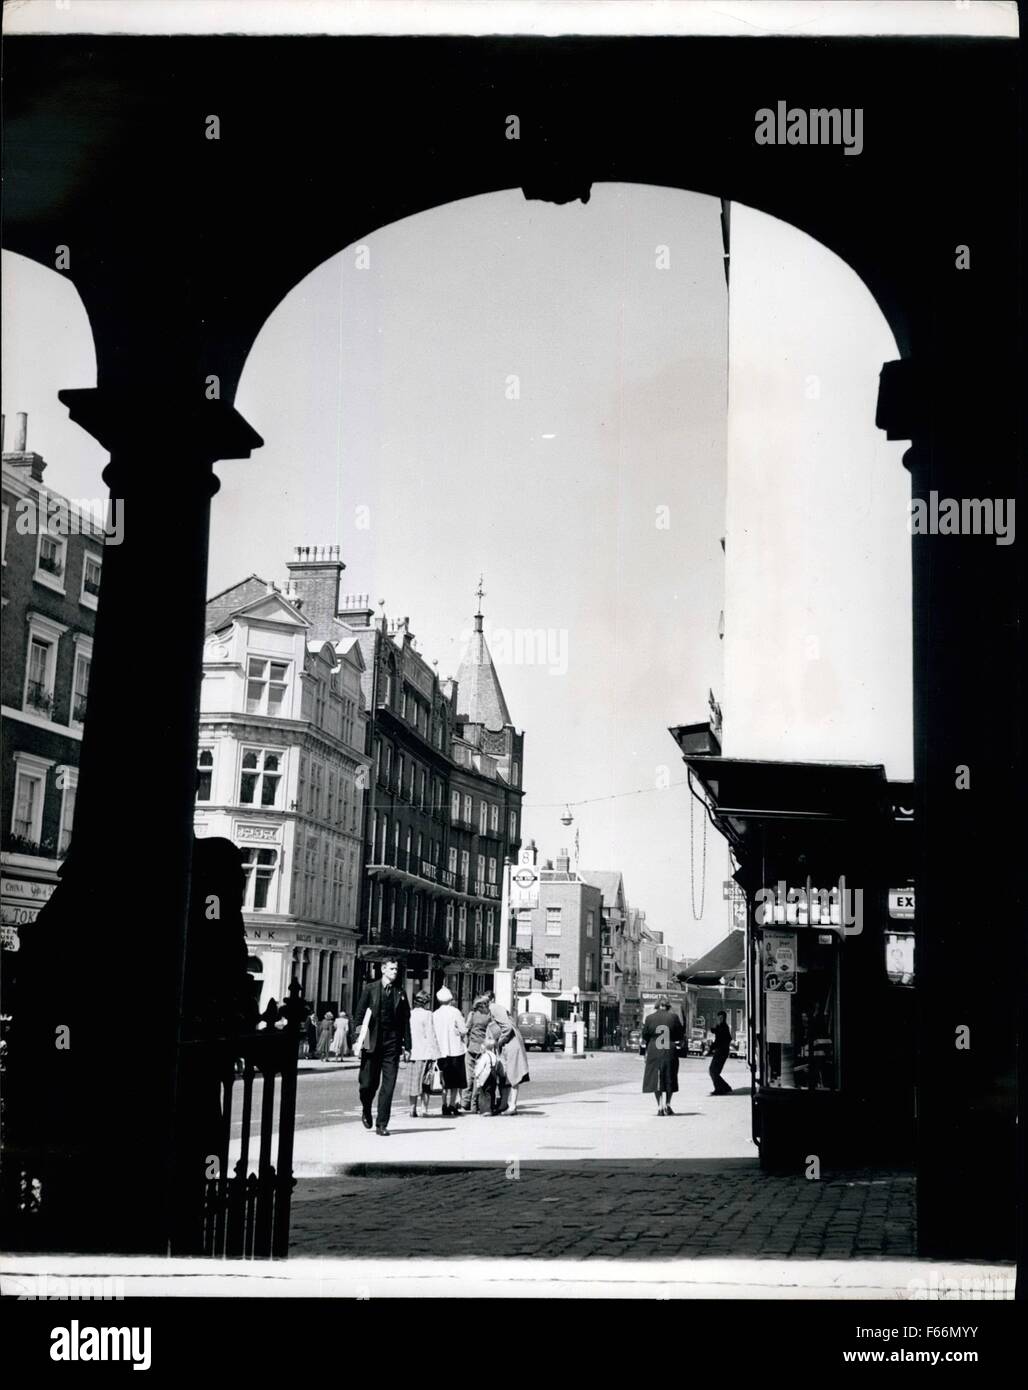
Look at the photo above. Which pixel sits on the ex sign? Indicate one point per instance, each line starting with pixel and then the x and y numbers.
pixel 901 903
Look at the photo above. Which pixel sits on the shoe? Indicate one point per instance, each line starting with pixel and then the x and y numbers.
pixel 414 1112
pixel 381 1129
pixel 366 1120
pixel 668 1110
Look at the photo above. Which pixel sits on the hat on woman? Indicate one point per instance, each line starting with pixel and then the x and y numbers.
pixel 444 996
pixel 422 1000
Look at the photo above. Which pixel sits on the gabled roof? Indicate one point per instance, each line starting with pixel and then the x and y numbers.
pixel 608 881
pixel 222 605
pixel 726 958
pixel 272 607
pixel 479 695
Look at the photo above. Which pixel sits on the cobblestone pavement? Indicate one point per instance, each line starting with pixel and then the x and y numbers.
pixel 693 1208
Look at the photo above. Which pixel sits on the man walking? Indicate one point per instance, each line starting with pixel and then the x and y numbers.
pixel 722 1045
pixel 384 1033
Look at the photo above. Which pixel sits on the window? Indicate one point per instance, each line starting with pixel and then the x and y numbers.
pixel 80 681
pixel 453 859
pixel 513 826
pixel 468 807
pixel 455 806
pixel 411 787
pixel 406 862
pixel 261 774
pixel 374 836
pixel 481 868
pixel 91 566
pixel 317 773
pixel 388 762
pixel 523 929
pixel 494 819
pixel 492 870
pixel 403 703
pixel 4 512
pixel 396 844
pixel 465 867
pixel 515 773
pixel 50 559
pixel 799 1026
pixel 589 923
pixel 462 924
pixel 41 664
pixel 607 975
pixel 590 970
pixel 483 818
pixel 265 685
pixel 553 921
pixel 399 774
pixel 553 970
pixel 449 924
pixel 204 773
pixel 422 789
pixel 259 866
pixel 67 782
pixel 29 792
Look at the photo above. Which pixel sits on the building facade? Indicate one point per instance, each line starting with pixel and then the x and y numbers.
pixel 615 953
pixel 282 772
pixel 52 552
pixel 564 935
pixel 443 809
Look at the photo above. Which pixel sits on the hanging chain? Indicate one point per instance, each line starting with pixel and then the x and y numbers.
pixel 697 916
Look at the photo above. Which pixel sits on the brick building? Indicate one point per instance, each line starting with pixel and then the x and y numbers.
pixel 281 771
pixel 564 935
pixel 52 552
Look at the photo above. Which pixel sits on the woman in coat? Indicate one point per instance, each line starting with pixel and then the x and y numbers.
pixel 513 1057
pixel 662 1035
pixel 424 1051
pixel 450 1034
pixel 341 1036
pixel 325 1030
pixel 477 1023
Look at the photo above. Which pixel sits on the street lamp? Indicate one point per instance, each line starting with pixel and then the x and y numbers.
pixel 567 817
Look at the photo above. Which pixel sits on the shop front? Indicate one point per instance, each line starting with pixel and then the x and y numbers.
pixel 824 854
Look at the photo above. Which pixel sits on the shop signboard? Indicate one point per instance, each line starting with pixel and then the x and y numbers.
pixel 524 887
pixel 901 903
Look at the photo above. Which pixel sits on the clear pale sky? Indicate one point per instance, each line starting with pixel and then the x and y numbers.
pixel 384 398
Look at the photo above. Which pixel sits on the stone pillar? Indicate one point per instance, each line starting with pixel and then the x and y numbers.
pixel 115 929
pixel 959 407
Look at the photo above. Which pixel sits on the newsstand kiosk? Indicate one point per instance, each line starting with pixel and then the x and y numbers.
pixel 824 854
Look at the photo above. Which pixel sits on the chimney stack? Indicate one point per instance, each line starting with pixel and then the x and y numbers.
pixel 20 457
pixel 563 862
pixel 314 588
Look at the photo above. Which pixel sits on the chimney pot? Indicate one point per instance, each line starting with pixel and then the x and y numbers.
pixel 21 431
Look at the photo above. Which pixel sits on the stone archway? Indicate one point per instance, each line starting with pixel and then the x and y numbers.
pixel 181 245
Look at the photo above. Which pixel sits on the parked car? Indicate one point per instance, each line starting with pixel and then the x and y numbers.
pixel 537 1031
pixel 635 1038
pixel 697 1042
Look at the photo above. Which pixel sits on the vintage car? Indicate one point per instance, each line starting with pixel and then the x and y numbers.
pixel 537 1031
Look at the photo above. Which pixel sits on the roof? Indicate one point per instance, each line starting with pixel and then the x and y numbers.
pixel 726 958
pixel 221 606
pixel 608 881
pixel 479 696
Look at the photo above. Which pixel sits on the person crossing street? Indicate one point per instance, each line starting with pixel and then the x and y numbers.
pixel 384 1036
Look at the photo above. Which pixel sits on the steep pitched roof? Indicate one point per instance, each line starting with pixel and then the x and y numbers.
pixel 221 606
pixel 479 696
pixel 608 881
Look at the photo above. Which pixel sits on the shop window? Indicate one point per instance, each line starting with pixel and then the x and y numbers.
pixel 799 1010
pixel 899 957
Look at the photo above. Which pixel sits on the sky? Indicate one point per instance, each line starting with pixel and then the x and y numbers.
pixel 537 395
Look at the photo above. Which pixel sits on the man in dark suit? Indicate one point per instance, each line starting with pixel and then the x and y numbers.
pixel 387 1036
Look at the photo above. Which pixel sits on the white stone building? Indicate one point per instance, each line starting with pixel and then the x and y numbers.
pixel 281 771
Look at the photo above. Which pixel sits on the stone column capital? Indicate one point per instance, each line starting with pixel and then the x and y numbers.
pixel 153 423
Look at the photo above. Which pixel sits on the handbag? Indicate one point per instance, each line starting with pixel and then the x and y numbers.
pixel 435 1081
